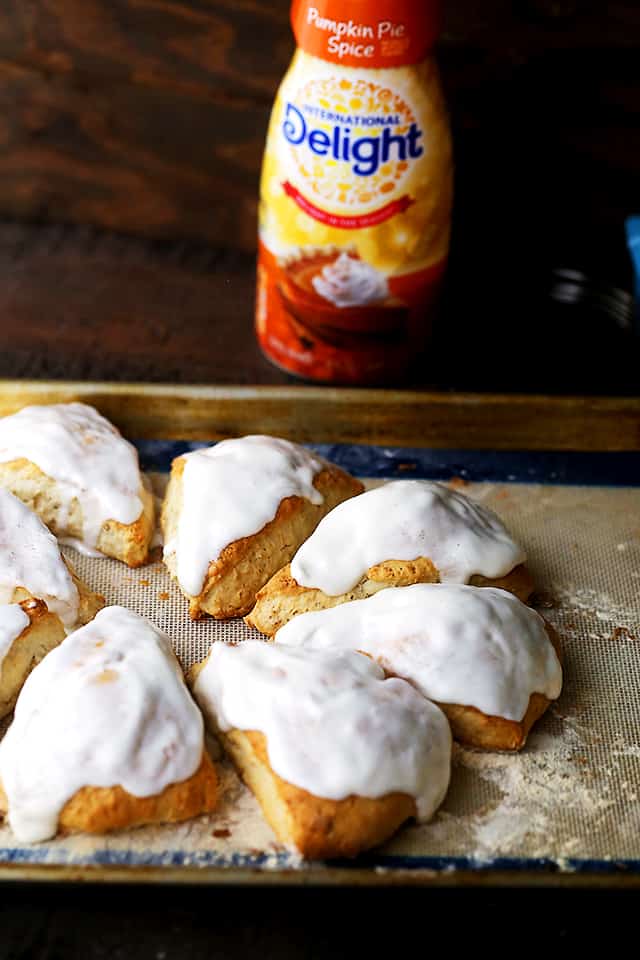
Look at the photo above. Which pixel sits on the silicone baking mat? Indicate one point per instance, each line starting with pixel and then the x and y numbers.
pixel 569 802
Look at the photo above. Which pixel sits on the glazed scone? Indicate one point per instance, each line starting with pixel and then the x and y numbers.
pixel 105 735
pixel 337 756
pixel 234 513
pixel 76 471
pixel 403 532
pixel 31 566
pixel 490 662
pixel 27 633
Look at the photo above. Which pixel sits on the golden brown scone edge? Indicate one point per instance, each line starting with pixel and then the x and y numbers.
pixel 282 598
pixel 45 631
pixel 473 728
pixel 126 542
pixel 318 828
pixel 244 566
pixel 130 542
pixel 88 602
pixel 103 809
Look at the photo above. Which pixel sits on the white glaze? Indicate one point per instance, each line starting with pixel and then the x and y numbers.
pixel 107 707
pixel 232 490
pixel 404 520
pixel 30 557
pixel 334 726
pixel 86 456
pixel 473 646
pixel 13 620
pixel 351 282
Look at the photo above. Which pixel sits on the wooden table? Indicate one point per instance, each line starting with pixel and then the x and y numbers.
pixel 83 304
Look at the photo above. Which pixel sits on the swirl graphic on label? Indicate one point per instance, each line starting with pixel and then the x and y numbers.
pixel 352 142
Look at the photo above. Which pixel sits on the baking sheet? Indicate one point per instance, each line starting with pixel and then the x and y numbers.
pixel 569 801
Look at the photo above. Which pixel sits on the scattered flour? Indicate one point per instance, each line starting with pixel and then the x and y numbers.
pixel 541 788
pixel 587 600
pixel 571 794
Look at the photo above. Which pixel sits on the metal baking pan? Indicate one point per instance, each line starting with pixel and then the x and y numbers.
pixel 564 474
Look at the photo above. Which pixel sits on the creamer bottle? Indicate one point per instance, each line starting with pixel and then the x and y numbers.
pixel 355 196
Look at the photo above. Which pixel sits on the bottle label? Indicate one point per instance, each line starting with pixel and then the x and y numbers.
pixel 354 215
pixel 383 33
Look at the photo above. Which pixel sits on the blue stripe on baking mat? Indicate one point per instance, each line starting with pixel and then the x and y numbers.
pixel 284 861
pixel 507 864
pixel 599 469
pixel 37 856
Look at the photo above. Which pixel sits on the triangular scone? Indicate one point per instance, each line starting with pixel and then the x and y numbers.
pixel 105 735
pixel 403 532
pixel 490 662
pixel 337 756
pixel 27 633
pixel 236 512
pixel 81 477
pixel 31 566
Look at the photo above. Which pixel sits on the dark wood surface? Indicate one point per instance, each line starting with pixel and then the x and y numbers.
pixel 183 924
pixel 82 304
pixel 149 117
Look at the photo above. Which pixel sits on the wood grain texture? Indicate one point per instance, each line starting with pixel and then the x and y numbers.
pixel 146 116
pixel 199 48
pixel 81 304
pixel 339 415
pixel 149 116
pixel 242 47
pixel 122 156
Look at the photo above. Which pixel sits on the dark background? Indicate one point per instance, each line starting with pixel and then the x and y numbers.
pixel 131 133
pixel 281 924
pixel 125 120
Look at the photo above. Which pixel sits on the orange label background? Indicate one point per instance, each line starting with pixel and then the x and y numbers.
pixel 371 361
pixel 420 19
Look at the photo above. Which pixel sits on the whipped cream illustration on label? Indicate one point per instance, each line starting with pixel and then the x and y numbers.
pixel 350 282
